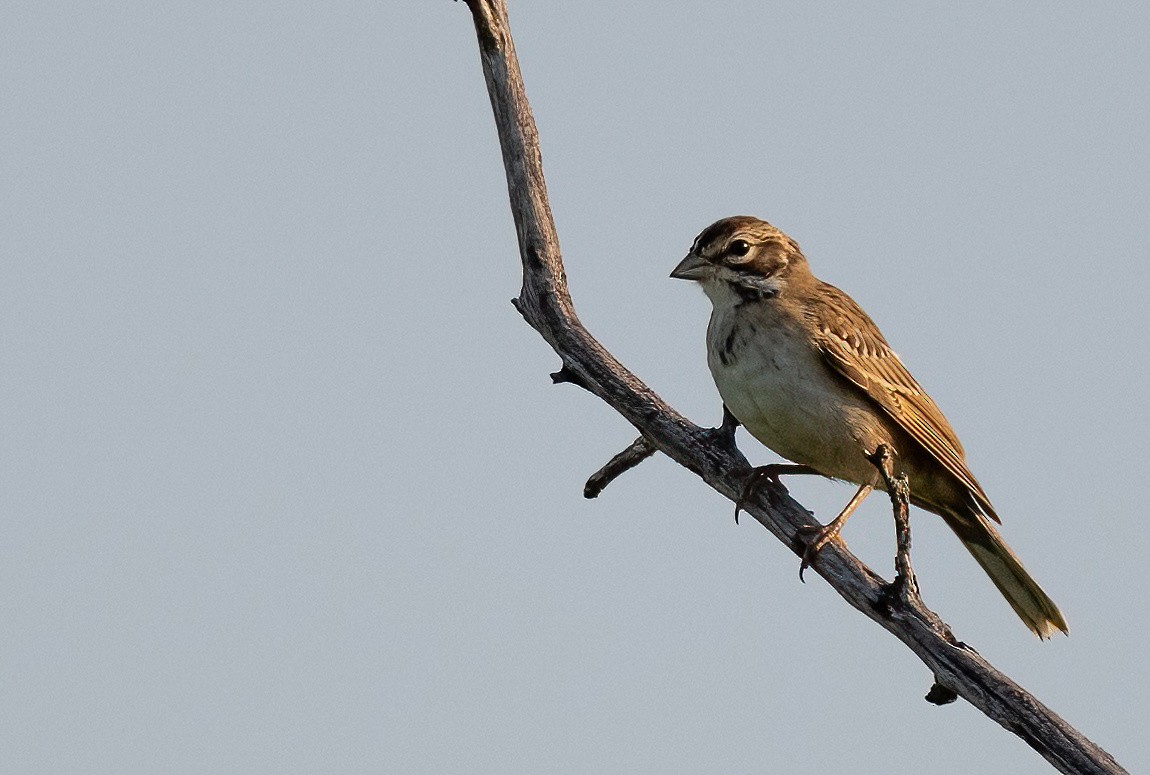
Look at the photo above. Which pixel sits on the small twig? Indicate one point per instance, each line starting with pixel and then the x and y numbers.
pixel 904 590
pixel 636 452
pixel 642 448
pixel 898 487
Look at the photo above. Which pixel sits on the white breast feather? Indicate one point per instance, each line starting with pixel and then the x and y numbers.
pixel 776 384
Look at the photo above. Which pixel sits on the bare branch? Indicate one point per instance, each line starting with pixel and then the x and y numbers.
pixel 546 305
pixel 637 451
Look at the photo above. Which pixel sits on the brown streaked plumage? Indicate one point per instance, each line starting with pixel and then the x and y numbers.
pixel 809 375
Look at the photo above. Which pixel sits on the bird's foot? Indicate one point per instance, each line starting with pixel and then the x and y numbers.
pixel 819 537
pixel 770 474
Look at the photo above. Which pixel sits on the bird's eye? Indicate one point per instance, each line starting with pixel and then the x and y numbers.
pixel 739 247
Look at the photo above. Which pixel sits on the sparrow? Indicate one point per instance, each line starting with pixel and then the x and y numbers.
pixel 800 365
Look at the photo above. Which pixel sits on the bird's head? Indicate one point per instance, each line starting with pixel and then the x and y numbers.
pixel 743 256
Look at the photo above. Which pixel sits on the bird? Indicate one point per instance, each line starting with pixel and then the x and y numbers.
pixel 806 371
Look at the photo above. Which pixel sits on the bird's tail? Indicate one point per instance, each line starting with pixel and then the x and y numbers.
pixel 1032 605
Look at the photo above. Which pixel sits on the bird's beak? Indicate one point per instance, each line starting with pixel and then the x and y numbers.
pixel 692 267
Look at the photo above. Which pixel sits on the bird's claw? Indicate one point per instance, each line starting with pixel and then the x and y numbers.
pixel 819 537
pixel 754 480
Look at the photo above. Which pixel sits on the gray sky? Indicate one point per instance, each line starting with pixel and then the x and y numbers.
pixel 285 486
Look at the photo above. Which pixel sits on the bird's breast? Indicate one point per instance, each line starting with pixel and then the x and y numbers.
pixel 776 383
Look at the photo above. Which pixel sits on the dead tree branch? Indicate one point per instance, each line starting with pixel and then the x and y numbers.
pixel 546 305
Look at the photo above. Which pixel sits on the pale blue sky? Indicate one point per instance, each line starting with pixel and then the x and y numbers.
pixel 284 484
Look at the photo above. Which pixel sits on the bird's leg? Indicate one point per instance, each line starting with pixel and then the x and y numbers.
pixel 771 473
pixel 905 585
pixel 823 535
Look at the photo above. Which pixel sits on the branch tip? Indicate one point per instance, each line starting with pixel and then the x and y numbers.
pixel 639 450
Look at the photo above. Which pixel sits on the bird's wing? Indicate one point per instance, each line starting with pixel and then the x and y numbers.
pixel 855 348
